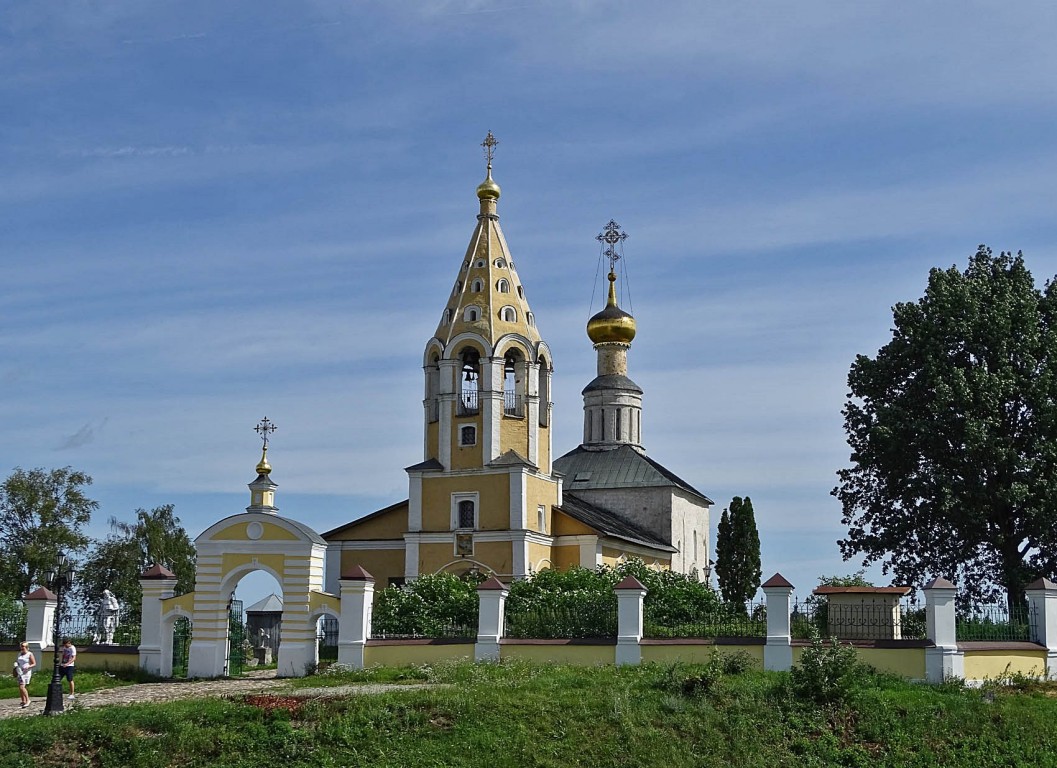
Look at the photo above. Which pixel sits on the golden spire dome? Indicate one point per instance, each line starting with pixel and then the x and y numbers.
pixel 612 324
pixel 488 189
pixel 263 467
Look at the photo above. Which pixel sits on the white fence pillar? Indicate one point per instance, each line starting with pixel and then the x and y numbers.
pixel 354 623
pixel 40 619
pixel 778 652
pixel 944 660
pixel 492 594
pixel 1042 607
pixel 631 596
pixel 157 583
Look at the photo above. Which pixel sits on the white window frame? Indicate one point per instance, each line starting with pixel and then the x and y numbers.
pixel 472 313
pixel 503 314
pixel 473 496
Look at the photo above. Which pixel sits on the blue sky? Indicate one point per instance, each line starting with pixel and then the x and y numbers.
pixel 213 212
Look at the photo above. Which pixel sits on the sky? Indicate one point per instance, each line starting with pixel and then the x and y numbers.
pixel 214 212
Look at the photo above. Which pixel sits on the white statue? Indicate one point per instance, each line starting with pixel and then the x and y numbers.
pixel 108 611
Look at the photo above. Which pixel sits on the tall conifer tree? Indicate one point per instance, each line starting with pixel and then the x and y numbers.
pixel 738 552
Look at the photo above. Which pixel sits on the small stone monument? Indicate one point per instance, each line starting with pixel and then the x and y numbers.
pixel 262 652
pixel 107 618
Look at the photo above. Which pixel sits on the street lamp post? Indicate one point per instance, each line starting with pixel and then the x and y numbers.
pixel 59 581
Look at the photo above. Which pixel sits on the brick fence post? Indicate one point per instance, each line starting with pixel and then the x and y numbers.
pixel 944 660
pixel 778 652
pixel 354 620
pixel 492 594
pixel 630 598
pixel 1042 604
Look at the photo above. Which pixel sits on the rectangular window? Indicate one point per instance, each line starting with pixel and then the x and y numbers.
pixel 467 435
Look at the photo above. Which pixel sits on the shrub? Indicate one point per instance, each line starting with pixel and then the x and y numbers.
pixel 826 672
pixel 433 605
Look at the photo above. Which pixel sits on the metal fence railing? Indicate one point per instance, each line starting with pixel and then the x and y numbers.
pixel 867 619
pixel 749 620
pixel 996 622
pixel 12 623
pixel 574 619
pixel 86 629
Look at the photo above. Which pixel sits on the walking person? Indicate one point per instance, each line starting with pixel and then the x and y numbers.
pixel 24 663
pixel 66 663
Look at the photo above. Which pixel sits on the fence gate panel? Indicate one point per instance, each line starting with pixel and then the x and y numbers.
pixel 236 639
pixel 181 646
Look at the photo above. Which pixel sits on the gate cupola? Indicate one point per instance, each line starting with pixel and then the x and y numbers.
pixel 262 490
pixel 487 371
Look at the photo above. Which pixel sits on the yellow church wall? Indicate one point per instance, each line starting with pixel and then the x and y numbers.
pixel 985 664
pixel 237 532
pixel 513 433
pixel 232 560
pixel 432 440
pixel 566 526
pixel 540 556
pixel 185 602
pixel 466 456
pixel 497 555
pixel 540 490
pixel 391 525
pixel 558 653
pixel 543 446
pixel 378 654
pixel 383 564
pixel 696 653
pixel 493 497
pixel 565 557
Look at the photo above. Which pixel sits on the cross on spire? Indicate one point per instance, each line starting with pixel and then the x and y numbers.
pixel 612 236
pixel 264 428
pixel 490 142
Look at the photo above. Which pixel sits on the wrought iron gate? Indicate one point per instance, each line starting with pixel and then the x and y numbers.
pixel 237 644
pixel 181 646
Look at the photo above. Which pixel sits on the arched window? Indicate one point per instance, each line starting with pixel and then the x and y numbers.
pixel 530 319
pixel 472 314
pixel 503 286
pixel 480 264
pixel 477 286
pixel 433 387
pixel 467 518
pixel 513 384
pixel 500 263
pixel 520 292
pixel 458 288
pixel 508 315
pixel 447 316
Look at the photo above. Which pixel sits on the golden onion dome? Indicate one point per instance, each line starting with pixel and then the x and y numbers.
pixel 488 189
pixel 612 324
pixel 263 467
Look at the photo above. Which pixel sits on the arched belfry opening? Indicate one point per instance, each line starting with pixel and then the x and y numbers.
pixel 515 374
pixel 470 381
pixel 433 388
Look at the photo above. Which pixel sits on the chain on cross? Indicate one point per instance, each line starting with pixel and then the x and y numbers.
pixel 264 428
pixel 612 235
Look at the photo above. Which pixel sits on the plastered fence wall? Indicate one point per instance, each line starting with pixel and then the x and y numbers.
pixel 938 657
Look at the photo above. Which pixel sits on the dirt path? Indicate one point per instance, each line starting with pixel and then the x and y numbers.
pixel 259 682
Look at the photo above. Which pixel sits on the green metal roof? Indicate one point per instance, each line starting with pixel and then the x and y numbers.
pixel 620 467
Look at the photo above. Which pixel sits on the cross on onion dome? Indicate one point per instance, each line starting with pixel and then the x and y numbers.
pixel 264 428
pixel 612 235
pixel 490 142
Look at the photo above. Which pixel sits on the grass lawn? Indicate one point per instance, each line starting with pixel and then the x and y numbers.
pixel 520 715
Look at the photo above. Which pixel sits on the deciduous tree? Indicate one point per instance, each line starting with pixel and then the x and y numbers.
pixel 42 513
pixel 953 432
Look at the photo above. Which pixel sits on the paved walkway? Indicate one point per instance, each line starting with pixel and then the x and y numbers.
pixel 254 682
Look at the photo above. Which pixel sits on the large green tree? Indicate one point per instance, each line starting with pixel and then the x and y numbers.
pixel 953 432
pixel 42 513
pixel 738 552
pixel 115 563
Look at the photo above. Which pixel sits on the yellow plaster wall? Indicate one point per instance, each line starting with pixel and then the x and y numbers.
pixel 540 490
pixel 237 532
pixel 696 653
pixel 497 555
pixel 86 659
pixel 391 525
pixel 584 655
pixel 566 526
pixel 980 664
pixel 538 552
pixel 565 557
pixel 905 662
pixel 404 655
pixel 466 456
pixel 317 600
pixel 543 446
pixel 383 564
pixel 232 560
pixel 432 441
pixel 513 434
pixel 493 495
pixel 186 602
